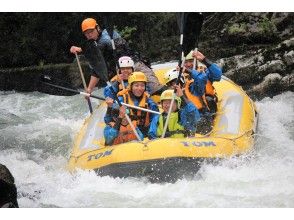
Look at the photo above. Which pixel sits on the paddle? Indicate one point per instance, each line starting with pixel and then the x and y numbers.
pixel 192 30
pixel 110 32
pixel 84 82
pixel 192 33
pixel 47 79
pixel 181 23
pixel 187 22
pixel 96 59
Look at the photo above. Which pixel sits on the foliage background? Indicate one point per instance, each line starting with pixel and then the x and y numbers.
pixel 38 38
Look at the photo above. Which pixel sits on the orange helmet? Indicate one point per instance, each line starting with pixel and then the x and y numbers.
pixel 88 23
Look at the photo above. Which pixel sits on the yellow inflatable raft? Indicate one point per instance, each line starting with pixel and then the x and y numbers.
pixel 169 159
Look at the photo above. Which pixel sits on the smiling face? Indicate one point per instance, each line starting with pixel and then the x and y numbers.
pixel 138 88
pixel 166 104
pixel 189 64
pixel 125 72
pixel 172 84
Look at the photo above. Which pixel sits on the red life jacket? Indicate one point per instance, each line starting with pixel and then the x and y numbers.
pixel 125 134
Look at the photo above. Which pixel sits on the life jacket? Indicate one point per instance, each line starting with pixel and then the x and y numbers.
pixel 117 84
pixel 142 117
pixel 208 100
pixel 211 97
pixel 209 89
pixel 199 102
pixel 125 134
pixel 174 129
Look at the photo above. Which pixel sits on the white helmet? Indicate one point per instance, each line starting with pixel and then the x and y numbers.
pixel 171 75
pixel 190 55
pixel 126 61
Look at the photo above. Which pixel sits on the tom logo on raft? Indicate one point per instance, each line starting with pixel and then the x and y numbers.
pixel 198 143
pixel 100 155
pixel 185 143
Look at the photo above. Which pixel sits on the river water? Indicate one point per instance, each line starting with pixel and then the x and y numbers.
pixel 36 136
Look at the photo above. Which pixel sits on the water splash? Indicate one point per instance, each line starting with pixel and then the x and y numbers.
pixel 37 144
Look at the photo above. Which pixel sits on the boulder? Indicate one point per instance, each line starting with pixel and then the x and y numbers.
pixel 289 57
pixel 272 66
pixel 8 191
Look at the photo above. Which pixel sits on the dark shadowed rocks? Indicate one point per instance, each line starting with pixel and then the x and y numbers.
pixel 8 191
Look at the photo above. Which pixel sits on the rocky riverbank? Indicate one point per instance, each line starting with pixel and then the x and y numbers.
pixel 29 79
pixel 256 50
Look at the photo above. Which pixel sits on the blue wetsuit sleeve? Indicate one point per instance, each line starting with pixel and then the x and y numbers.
pixel 214 72
pixel 121 99
pixel 116 35
pixel 189 117
pixel 110 134
pixel 152 106
pixel 107 118
pixel 108 93
pixel 152 133
pixel 198 86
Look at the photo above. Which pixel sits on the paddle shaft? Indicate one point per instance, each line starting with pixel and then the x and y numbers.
pixel 126 115
pixel 196 24
pixel 115 56
pixel 74 91
pixel 100 98
pixel 84 82
pixel 181 62
pixel 111 88
pixel 195 63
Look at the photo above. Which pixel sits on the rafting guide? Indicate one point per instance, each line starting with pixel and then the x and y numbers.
pixel 102 40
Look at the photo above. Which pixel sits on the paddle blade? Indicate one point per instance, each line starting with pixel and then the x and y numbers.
pixel 181 21
pixel 192 29
pixel 52 86
pixel 108 22
pixel 96 59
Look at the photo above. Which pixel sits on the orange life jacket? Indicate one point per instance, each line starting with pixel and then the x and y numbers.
pixel 125 134
pixel 118 85
pixel 141 117
pixel 199 102
pixel 209 89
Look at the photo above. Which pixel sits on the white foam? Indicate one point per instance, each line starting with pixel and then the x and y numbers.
pixel 37 152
